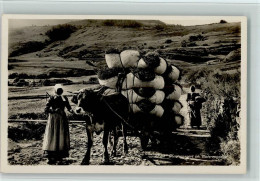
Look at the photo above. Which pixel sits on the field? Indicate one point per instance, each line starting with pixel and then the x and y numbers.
pixel 200 52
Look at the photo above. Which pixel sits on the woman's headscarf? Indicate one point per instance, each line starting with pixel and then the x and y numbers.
pixel 192 87
pixel 56 87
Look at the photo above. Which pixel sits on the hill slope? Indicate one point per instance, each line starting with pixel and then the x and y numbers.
pixel 195 44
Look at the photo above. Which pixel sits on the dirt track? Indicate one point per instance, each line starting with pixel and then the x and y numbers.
pixel 184 147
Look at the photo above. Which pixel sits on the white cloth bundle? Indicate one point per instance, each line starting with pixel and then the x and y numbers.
pixel 113 60
pixel 176 93
pixel 157 111
pixel 178 120
pixel 177 107
pixel 133 97
pixel 133 82
pixel 130 58
pixel 174 74
pixel 111 82
pixel 158 70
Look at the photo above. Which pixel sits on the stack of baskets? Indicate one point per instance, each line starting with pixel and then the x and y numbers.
pixel 149 84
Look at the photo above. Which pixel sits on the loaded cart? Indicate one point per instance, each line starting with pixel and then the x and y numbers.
pixel 151 87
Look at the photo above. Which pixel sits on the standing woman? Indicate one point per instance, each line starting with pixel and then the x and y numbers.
pixel 194 101
pixel 56 141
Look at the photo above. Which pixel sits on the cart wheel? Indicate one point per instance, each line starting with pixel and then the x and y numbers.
pixel 144 142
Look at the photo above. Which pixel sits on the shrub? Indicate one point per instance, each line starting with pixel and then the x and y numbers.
pixel 160 26
pixel 28 47
pixel 168 41
pixel 10 67
pixel 223 21
pixel 60 32
pixel 231 149
pixel 93 79
pixel 46 82
pixel 198 37
pixel 223 96
pixel 122 23
pixel 183 43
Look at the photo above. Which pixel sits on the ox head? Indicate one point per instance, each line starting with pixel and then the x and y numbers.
pixel 85 101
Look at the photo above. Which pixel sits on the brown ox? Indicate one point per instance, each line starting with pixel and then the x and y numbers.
pixel 106 114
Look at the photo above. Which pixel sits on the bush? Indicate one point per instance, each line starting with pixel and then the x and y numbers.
pixel 28 47
pixel 160 27
pixel 223 97
pixel 183 43
pixel 10 67
pixel 122 23
pixel 231 150
pixel 46 82
pixel 168 41
pixel 223 21
pixel 198 37
pixel 93 79
pixel 60 32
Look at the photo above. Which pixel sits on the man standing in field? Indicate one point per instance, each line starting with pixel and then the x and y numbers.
pixel 194 101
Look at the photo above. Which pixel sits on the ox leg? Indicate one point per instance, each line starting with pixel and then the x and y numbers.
pixel 124 132
pixel 86 159
pixel 105 142
pixel 115 142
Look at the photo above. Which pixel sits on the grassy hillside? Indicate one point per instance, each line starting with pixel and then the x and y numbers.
pixel 32 51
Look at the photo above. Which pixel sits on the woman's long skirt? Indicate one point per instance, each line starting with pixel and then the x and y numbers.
pixel 56 139
pixel 195 117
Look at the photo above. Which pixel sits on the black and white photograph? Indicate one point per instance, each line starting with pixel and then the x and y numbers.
pixel 126 94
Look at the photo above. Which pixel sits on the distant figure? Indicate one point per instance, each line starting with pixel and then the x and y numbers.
pixel 194 101
pixel 56 142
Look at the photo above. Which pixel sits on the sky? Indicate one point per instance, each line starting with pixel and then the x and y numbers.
pixel 18 23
